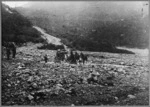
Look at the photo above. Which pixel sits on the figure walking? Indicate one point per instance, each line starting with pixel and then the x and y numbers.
pixel 8 53
pixel 45 58
pixel 14 49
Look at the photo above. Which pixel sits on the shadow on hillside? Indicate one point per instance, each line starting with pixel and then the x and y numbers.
pixel 121 51
pixel 115 50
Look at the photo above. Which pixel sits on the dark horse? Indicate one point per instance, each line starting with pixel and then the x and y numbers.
pixel 83 58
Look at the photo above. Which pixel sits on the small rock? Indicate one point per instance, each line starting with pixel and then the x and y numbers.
pixel 122 63
pixel 23 93
pixel 34 85
pixel 18 74
pixel 72 105
pixel 27 70
pixel 9 85
pixel 30 97
pixel 142 88
pixel 35 69
pixel 30 79
pixel 110 84
pixel 37 78
pixel 116 98
pixel 110 78
pixel 19 67
pixel 59 85
pixel 18 81
pixel 131 96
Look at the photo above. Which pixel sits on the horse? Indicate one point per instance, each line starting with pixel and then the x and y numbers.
pixel 83 58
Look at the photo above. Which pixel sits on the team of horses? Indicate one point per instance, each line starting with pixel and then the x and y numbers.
pixel 70 56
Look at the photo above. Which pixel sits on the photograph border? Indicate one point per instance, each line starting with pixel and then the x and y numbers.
pixel 70 0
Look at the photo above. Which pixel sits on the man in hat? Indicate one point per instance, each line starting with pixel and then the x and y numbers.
pixel 8 52
pixel 77 57
pixel 13 46
pixel 45 58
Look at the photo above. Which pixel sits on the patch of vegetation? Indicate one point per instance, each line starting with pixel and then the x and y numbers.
pixel 51 46
pixel 86 44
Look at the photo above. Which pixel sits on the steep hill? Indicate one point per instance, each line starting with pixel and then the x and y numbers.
pixel 92 25
pixel 17 28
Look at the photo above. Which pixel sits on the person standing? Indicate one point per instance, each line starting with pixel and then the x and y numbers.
pixel 77 57
pixel 13 49
pixel 45 58
pixel 82 57
pixel 8 53
pixel 72 57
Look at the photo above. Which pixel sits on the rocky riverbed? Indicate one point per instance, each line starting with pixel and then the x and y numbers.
pixel 27 80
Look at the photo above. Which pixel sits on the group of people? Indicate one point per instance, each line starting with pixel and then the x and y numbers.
pixel 62 55
pixel 71 57
pixel 75 57
pixel 10 48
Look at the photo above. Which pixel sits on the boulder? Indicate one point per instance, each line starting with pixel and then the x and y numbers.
pixel 30 79
pixel 30 97
pixel 131 96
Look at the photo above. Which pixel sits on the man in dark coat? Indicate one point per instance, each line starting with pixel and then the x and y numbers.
pixel 82 57
pixel 8 52
pixel 72 57
pixel 10 46
pixel 45 58
pixel 13 49
pixel 77 56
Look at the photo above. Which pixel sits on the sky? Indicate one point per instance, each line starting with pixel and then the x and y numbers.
pixel 15 3
pixel 135 4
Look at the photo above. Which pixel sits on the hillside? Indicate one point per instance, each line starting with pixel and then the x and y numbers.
pixel 92 25
pixel 17 28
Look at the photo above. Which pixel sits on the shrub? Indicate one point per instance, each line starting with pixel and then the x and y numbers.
pixel 51 47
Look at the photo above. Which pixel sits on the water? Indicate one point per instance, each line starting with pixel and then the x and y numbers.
pixel 141 52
